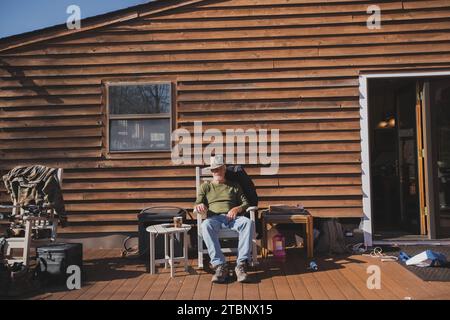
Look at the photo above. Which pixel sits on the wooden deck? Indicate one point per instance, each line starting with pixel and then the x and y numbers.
pixel 110 277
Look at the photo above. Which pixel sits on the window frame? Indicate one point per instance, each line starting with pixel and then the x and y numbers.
pixel 109 116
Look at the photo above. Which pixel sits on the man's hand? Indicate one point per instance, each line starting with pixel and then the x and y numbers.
pixel 201 208
pixel 231 215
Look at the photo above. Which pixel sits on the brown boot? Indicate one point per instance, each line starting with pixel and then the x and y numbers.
pixel 241 275
pixel 221 274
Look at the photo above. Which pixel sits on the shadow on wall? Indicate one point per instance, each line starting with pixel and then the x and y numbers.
pixel 18 74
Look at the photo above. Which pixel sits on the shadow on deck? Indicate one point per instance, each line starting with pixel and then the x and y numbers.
pixel 108 276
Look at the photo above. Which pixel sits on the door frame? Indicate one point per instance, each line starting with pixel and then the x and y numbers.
pixel 365 147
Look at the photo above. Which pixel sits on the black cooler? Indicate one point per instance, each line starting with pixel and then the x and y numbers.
pixel 158 215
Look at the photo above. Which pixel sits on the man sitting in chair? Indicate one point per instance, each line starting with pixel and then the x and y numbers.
pixel 224 203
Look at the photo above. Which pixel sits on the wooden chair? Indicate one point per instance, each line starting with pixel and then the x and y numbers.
pixel 204 174
pixel 32 224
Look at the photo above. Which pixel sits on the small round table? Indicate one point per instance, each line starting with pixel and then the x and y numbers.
pixel 169 231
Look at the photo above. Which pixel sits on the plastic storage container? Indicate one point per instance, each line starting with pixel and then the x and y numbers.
pixel 278 246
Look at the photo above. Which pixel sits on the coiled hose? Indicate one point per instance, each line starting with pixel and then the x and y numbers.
pixel 130 251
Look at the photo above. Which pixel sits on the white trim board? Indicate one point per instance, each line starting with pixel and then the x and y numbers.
pixel 365 148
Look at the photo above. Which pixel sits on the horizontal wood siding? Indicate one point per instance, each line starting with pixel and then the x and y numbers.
pixel 291 65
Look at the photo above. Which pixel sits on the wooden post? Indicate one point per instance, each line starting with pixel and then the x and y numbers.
pixel 310 236
pixel 264 250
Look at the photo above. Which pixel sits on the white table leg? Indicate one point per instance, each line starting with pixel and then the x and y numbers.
pixel 166 249
pixel 27 242
pixel 185 251
pixel 171 255
pixel 152 253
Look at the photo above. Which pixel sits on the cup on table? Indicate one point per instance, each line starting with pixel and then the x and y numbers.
pixel 177 222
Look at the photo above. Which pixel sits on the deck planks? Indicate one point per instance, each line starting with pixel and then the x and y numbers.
pixel 341 278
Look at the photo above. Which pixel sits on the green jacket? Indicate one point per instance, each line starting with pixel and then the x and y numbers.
pixel 221 197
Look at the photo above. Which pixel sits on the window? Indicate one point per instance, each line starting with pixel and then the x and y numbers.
pixel 139 117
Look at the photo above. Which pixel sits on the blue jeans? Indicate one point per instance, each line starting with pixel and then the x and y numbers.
pixel 210 229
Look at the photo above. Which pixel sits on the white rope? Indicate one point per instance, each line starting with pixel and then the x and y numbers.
pixel 377 252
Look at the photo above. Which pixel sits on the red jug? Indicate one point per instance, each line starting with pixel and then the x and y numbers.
pixel 278 246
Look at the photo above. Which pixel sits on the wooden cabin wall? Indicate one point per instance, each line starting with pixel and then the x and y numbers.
pixel 291 65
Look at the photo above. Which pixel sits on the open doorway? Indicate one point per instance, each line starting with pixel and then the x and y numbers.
pixel 393 155
pixel 437 97
pixel 409 143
